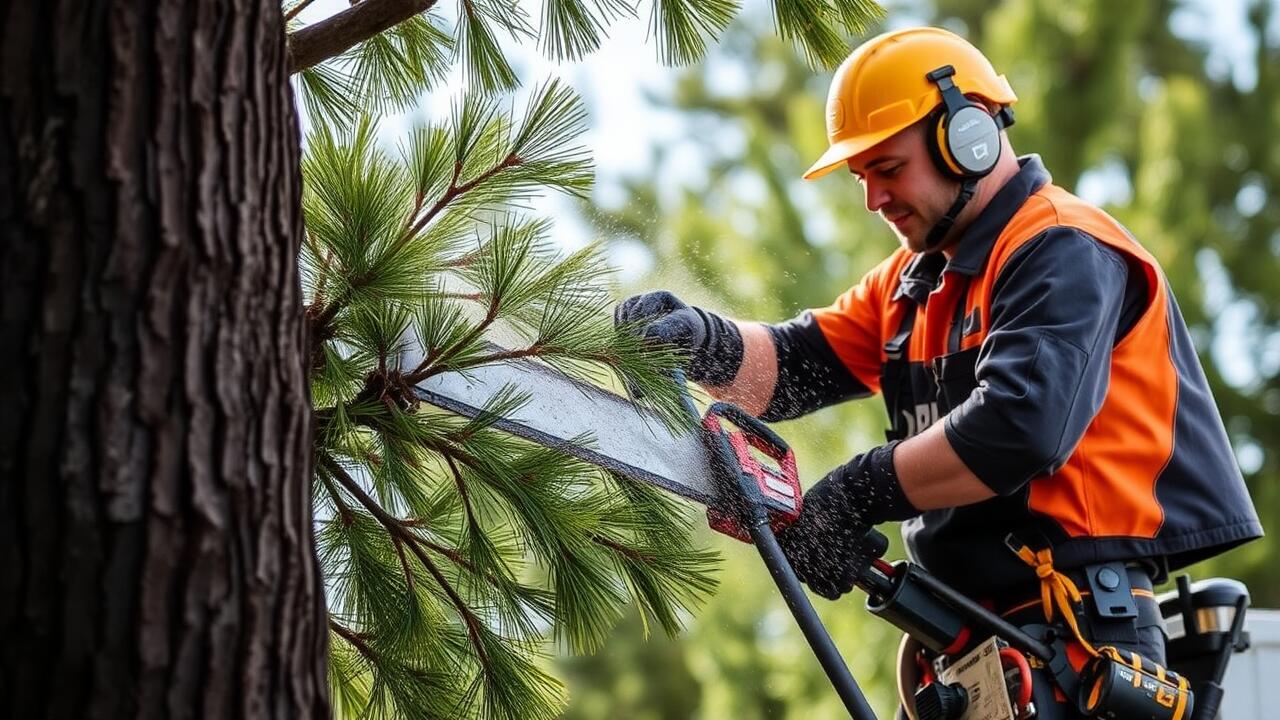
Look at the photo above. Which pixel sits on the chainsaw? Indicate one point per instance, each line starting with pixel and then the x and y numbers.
pixel 745 475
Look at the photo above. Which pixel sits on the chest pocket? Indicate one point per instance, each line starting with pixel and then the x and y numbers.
pixel 954 375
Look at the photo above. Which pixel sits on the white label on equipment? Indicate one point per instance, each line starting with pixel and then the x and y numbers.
pixel 980 674
pixel 779 487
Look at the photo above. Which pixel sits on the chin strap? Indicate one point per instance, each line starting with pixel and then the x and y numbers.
pixel 944 225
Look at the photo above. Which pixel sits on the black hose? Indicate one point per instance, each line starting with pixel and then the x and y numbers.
pixel 986 619
pixel 807 618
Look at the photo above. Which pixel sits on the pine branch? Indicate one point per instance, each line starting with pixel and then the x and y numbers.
pixel 474 626
pixel 326 267
pixel 462 490
pixel 808 23
pixel 394 68
pixel 683 26
pixel 397 530
pixel 331 37
pixel 404 562
pixel 434 366
pixel 328 93
pixel 435 362
pixel 348 483
pixel 292 12
pixel 484 65
pixel 354 639
pixel 621 549
pixel 387 240
pixel 344 510
pixel 455 190
pixel 571 29
pixel 455 557
pixel 535 350
pixel 401 530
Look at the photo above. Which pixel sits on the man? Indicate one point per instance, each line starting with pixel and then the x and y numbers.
pixel 1040 381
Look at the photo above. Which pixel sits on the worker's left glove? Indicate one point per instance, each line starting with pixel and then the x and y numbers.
pixel 712 344
pixel 828 545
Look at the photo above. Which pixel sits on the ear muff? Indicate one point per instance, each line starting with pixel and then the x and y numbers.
pixel 964 139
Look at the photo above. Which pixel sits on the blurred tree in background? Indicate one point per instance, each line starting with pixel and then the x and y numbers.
pixel 1125 104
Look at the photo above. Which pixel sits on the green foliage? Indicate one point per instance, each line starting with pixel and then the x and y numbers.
pixel 386 73
pixel 572 29
pixel 483 62
pixel 815 25
pixel 449 547
pixel 682 26
pixel 395 69
pixel 451 550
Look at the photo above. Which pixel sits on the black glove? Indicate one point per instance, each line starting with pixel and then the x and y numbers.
pixel 828 545
pixel 713 344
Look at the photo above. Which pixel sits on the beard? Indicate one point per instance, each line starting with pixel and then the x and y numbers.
pixel 912 223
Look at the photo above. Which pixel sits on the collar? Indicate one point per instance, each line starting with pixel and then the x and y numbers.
pixel 921 275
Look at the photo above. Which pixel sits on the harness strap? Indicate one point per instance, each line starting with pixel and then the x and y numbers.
pixel 895 347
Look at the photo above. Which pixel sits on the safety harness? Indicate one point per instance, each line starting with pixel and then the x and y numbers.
pixel 1102 680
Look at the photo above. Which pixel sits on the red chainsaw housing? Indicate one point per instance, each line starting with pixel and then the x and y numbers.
pixel 773 470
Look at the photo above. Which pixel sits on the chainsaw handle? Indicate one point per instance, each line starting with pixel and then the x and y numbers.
pixel 750 423
pixel 824 648
pixel 758 469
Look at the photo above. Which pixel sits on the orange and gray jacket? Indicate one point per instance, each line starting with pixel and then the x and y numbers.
pixel 1051 347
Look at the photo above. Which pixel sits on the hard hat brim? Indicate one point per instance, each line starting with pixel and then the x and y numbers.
pixel 839 152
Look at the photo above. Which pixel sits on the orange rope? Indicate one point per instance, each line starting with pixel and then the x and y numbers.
pixel 1057 592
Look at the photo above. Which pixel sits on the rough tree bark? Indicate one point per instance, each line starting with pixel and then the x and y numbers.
pixel 156 554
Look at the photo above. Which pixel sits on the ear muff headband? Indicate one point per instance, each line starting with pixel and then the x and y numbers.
pixel 966 138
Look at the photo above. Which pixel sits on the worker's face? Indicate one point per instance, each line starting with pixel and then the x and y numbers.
pixel 904 187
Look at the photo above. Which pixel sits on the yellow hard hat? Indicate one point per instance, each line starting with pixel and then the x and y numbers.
pixel 882 89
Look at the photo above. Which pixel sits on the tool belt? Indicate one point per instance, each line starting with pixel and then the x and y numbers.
pixel 1112 672
pixel 1111 629
pixel 1108 637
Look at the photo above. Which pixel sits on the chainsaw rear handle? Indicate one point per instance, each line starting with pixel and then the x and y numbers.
pixel 758 514
pixel 758 472
pixel 747 421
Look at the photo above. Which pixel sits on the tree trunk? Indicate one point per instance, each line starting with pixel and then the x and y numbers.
pixel 156 546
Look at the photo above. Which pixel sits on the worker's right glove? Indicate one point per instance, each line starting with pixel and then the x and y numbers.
pixel 713 344
pixel 825 545
pixel 830 545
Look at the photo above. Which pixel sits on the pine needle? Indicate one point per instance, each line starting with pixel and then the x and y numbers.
pixel 453 551
pixel 572 29
pixel 815 26
pixel 682 27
